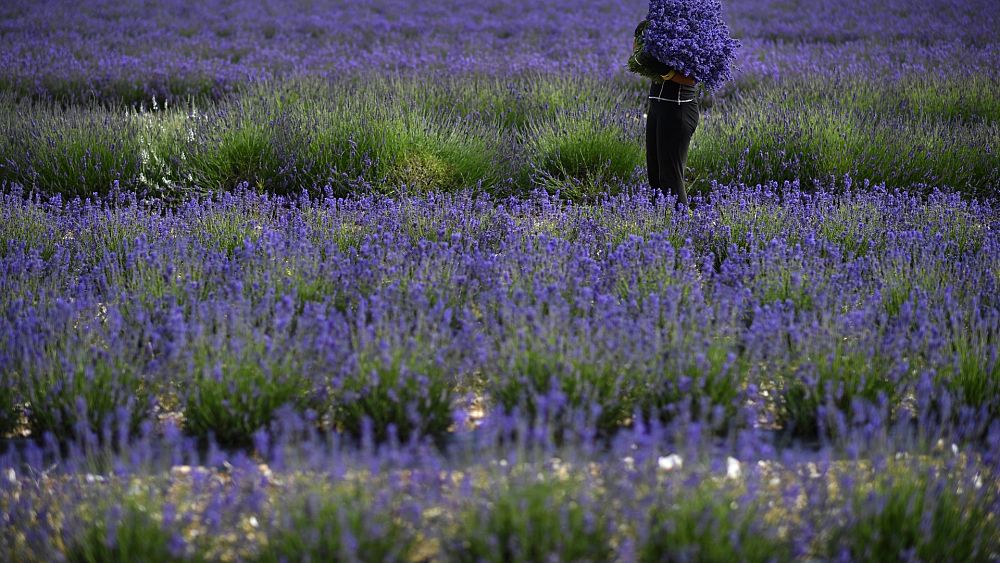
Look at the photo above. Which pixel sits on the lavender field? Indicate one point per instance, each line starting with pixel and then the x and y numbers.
pixel 298 280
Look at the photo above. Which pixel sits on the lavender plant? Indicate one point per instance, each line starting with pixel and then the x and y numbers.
pixel 537 521
pixel 343 524
pixel 125 532
pixel 395 398
pixel 708 523
pixel 908 516
pixel 240 376
pixel 79 372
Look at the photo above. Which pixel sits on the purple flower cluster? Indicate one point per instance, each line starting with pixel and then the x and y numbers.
pixel 691 37
pixel 301 497
pixel 847 310
pixel 789 372
pixel 431 353
pixel 175 49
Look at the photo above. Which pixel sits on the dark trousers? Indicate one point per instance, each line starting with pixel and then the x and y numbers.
pixel 669 127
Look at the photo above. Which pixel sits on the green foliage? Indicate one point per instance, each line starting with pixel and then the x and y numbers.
pixel 830 384
pixel 745 224
pixel 241 396
pixel 974 375
pixel 958 225
pixel 10 417
pixel 338 525
pixel 711 524
pixel 914 516
pixel 707 385
pixel 24 223
pixel 122 534
pixel 415 396
pixel 239 382
pixel 513 103
pixel 582 151
pixel 578 135
pixel 83 386
pixel 537 522
pixel 970 100
pixel 623 225
pixel 72 152
pixel 855 227
pixel 580 383
pixel 440 154
pixel 234 145
pixel 805 131
pixel 228 229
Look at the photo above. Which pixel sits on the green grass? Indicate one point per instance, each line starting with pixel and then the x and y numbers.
pixel 428 153
pixel 828 384
pixel 73 152
pixel 580 152
pixel 10 416
pixel 537 375
pixel 706 385
pixel 972 99
pixel 974 374
pixel 808 130
pixel 81 386
pixel 24 225
pixel 243 152
pixel 579 136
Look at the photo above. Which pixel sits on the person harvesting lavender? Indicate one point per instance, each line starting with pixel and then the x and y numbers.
pixel 680 44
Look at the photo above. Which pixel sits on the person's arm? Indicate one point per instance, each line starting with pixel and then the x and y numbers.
pixel 674 76
pixel 638 31
pixel 685 80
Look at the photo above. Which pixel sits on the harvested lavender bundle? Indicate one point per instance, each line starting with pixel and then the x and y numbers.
pixel 688 36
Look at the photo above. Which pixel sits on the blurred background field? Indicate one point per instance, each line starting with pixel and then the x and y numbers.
pixel 293 280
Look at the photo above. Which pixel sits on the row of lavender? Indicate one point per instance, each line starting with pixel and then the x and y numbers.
pixel 136 51
pixel 301 497
pixel 504 136
pixel 566 380
pixel 806 313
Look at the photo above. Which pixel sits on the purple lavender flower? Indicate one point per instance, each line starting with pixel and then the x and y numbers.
pixel 691 37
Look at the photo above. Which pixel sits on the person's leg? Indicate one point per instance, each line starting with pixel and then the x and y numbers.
pixel 672 139
pixel 652 158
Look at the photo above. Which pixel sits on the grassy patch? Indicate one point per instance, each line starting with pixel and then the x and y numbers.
pixel 580 152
